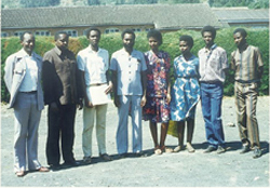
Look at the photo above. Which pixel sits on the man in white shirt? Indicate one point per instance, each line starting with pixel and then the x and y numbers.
pixel 129 81
pixel 93 61
pixel 22 78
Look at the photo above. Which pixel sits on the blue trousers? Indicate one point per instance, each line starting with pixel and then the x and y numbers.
pixel 129 104
pixel 211 100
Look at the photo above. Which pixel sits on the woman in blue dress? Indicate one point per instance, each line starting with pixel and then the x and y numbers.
pixel 185 92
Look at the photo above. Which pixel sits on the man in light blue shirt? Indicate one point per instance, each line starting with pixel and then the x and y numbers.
pixel 129 84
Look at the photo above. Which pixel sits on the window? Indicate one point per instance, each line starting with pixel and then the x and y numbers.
pixel 111 30
pixel 42 33
pixel 18 33
pixel 72 33
pixel 4 34
pixel 147 30
pixel 137 30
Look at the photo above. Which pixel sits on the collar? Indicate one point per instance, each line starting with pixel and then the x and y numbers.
pixel 190 58
pixel 245 46
pixel 133 53
pixel 57 50
pixel 60 52
pixel 22 53
pixel 92 51
pixel 158 54
pixel 211 48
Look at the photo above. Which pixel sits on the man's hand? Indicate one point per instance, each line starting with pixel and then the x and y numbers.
pixel 80 105
pixel 89 104
pixel 116 101
pixel 109 88
pixel 54 107
pixel 143 101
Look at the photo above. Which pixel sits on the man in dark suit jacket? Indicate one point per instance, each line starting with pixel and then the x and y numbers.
pixel 62 92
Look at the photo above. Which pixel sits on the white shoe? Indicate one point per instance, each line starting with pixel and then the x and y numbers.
pixel 177 149
pixel 190 148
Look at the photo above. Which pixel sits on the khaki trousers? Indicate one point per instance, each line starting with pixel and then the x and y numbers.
pixel 97 113
pixel 246 99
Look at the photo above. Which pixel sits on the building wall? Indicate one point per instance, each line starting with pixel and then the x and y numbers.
pixel 251 24
pixel 74 31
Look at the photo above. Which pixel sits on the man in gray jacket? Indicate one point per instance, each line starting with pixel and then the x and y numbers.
pixel 22 78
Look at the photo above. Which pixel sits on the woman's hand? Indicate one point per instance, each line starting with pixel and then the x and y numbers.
pixel 168 98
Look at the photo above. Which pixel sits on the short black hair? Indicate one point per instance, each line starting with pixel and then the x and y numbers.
pixel 242 31
pixel 129 31
pixel 87 33
pixel 187 39
pixel 56 35
pixel 25 32
pixel 210 29
pixel 155 34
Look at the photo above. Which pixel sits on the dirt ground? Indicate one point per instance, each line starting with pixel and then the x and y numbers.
pixel 182 169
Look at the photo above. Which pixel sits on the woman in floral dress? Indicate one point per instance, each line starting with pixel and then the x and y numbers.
pixel 157 108
pixel 185 92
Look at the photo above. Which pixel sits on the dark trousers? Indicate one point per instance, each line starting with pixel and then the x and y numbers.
pixel 60 124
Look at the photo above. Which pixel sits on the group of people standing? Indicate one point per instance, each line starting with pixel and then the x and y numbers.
pixel 142 89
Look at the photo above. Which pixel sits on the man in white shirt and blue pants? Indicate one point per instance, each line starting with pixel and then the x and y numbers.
pixel 129 82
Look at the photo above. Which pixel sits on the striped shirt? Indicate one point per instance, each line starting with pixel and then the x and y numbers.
pixel 246 64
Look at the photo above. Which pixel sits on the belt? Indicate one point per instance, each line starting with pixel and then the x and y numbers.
pixel 211 82
pixel 186 77
pixel 97 84
pixel 28 92
pixel 247 82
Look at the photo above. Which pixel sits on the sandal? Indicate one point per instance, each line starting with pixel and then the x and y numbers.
pixel 178 148
pixel 20 173
pixel 157 150
pixel 166 149
pixel 190 148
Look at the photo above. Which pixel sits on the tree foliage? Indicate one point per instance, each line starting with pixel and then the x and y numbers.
pixel 259 4
pixel 253 4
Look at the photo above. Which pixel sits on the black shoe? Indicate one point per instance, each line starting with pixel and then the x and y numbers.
pixel 221 150
pixel 105 157
pixel 257 153
pixel 209 149
pixel 87 160
pixel 139 154
pixel 123 155
pixel 55 168
pixel 71 164
pixel 245 149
